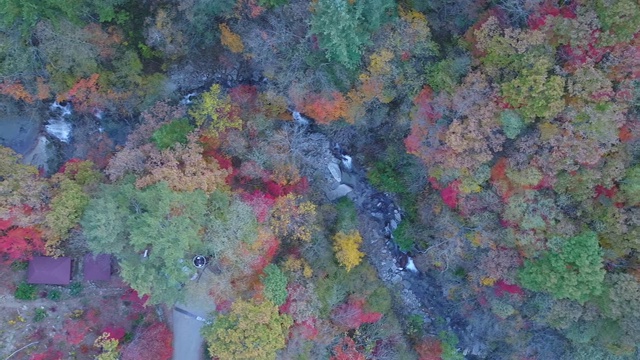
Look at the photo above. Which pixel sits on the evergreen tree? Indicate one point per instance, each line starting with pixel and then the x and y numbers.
pixel 574 272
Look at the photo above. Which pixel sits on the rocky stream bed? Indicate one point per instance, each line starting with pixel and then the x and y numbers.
pixel 417 292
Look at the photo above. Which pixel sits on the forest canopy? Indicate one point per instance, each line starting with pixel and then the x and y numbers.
pixel 367 179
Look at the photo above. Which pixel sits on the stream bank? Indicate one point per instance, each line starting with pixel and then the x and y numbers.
pixel 417 293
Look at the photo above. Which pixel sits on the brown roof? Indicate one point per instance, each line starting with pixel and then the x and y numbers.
pixel 48 270
pixel 97 267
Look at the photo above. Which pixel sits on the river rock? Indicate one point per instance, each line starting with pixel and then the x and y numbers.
pixel 393 224
pixel 339 192
pixel 334 169
pixel 348 179
pixel 39 155
pixel 396 214
pixel 19 132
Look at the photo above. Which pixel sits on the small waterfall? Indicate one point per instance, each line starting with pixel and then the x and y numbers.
pixel 186 100
pixel 299 119
pixel 63 109
pixel 58 126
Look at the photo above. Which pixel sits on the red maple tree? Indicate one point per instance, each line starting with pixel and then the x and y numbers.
pixel 19 243
pixel 351 314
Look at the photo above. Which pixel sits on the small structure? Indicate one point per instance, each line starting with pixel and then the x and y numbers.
pixel 48 270
pixel 97 267
pixel 199 261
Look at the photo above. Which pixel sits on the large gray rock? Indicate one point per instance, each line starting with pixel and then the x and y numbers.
pixel 334 169
pixel 397 215
pixel 339 192
pixel 19 132
pixel 348 179
pixel 393 224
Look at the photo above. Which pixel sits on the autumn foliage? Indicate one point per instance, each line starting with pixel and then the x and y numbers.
pixel 346 350
pixel 324 108
pixel 231 40
pixel 153 342
pixel 429 349
pixel 346 247
pixel 18 243
pixel 351 315
pixel 85 95
pixel 48 355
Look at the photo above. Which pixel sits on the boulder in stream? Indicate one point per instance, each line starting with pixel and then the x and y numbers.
pixel 334 169
pixel 339 192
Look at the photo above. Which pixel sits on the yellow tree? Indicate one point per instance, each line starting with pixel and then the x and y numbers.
pixel 108 347
pixel 346 247
pixel 293 219
pixel 183 168
pixel 214 112
pixel 21 189
pixel 230 39
pixel 250 331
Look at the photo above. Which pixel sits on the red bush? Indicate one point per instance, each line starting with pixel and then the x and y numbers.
pixel 351 315
pixel 74 331
pixel 245 97
pixel 18 243
pixel 603 191
pixel 48 355
pixel 153 342
pixel 429 349
pixel 260 203
pixel 346 350
pixel 625 134
pixel 137 304
pixel 324 108
pixel 63 168
pixel 450 194
pixel 501 287
pixel 306 329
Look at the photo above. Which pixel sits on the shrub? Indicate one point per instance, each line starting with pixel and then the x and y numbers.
pixel 75 289
pixel 502 309
pixel 385 177
pixel 631 185
pixel 275 284
pixel 575 272
pixel 26 291
pixel 39 314
pixel 446 74
pixel 449 346
pixel 169 134
pixel 347 215
pixel 415 326
pixel 54 295
pixel 512 123
pixel 403 237
pixel 19 265
pixel 379 300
